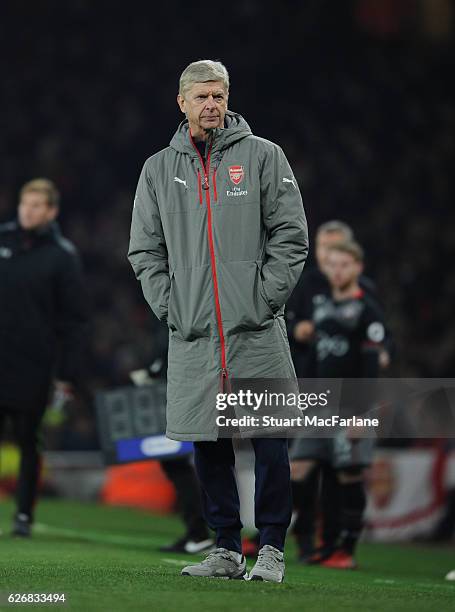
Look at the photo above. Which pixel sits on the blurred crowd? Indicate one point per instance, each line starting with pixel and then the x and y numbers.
pixel 363 107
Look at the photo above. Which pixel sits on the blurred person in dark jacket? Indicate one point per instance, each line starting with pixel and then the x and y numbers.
pixel 42 320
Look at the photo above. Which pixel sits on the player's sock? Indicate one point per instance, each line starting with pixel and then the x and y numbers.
pixel 353 502
pixel 330 504
pixel 304 494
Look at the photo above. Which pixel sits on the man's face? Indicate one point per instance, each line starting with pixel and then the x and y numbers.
pixel 205 105
pixel 342 269
pixel 34 210
pixel 324 241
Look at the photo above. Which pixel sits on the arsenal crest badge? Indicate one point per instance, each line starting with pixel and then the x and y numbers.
pixel 236 174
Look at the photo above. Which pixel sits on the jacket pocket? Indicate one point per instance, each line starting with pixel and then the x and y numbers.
pixel 171 291
pixel 243 305
pixel 189 310
pixel 261 285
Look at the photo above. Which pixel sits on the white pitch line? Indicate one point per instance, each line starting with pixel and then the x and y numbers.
pixel 426 585
pixel 431 585
pixel 175 561
pixel 94 536
pixel 98 537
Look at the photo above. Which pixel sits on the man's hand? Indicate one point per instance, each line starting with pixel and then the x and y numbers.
pixel 304 331
pixel 384 359
pixel 63 393
pixel 63 386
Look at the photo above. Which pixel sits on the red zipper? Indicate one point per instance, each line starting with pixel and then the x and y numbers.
pixel 199 186
pixel 206 168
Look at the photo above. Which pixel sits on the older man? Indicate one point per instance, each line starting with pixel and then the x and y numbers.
pixel 218 241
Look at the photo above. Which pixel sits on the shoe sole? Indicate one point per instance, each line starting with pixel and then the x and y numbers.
pixel 261 579
pixel 243 576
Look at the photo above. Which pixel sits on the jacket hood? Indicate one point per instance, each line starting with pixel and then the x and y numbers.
pixel 235 128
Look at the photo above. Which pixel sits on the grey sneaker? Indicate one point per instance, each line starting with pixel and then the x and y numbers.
pixel 269 566
pixel 221 563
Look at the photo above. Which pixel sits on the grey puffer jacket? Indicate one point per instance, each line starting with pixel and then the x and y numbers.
pixel 218 250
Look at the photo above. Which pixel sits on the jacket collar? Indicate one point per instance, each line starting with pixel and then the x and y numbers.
pixel 51 231
pixel 235 129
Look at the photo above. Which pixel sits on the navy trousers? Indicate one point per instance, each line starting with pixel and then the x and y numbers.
pixel 215 462
pixel 26 424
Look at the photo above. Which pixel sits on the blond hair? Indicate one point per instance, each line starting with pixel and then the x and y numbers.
pixel 45 186
pixel 350 247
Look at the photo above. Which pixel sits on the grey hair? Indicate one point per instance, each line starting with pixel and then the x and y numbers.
pixel 203 71
pixel 338 227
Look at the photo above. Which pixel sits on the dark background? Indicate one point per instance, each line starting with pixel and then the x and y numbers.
pixel 359 94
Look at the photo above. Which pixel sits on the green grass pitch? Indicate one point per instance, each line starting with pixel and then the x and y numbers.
pixel 105 558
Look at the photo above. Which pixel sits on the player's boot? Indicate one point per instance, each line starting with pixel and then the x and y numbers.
pixel 189 545
pixel 221 563
pixel 270 565
pixel 250 546
pixel 340 560
pixel 22 525
pixel 317 556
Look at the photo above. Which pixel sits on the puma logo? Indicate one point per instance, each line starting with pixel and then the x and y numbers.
pixel 179 180
pixel 286 180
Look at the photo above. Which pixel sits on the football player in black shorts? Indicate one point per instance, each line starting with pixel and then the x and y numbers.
pixel 318 489
pixel 348 337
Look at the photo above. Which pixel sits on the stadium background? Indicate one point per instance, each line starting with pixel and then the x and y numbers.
pixel 358 93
